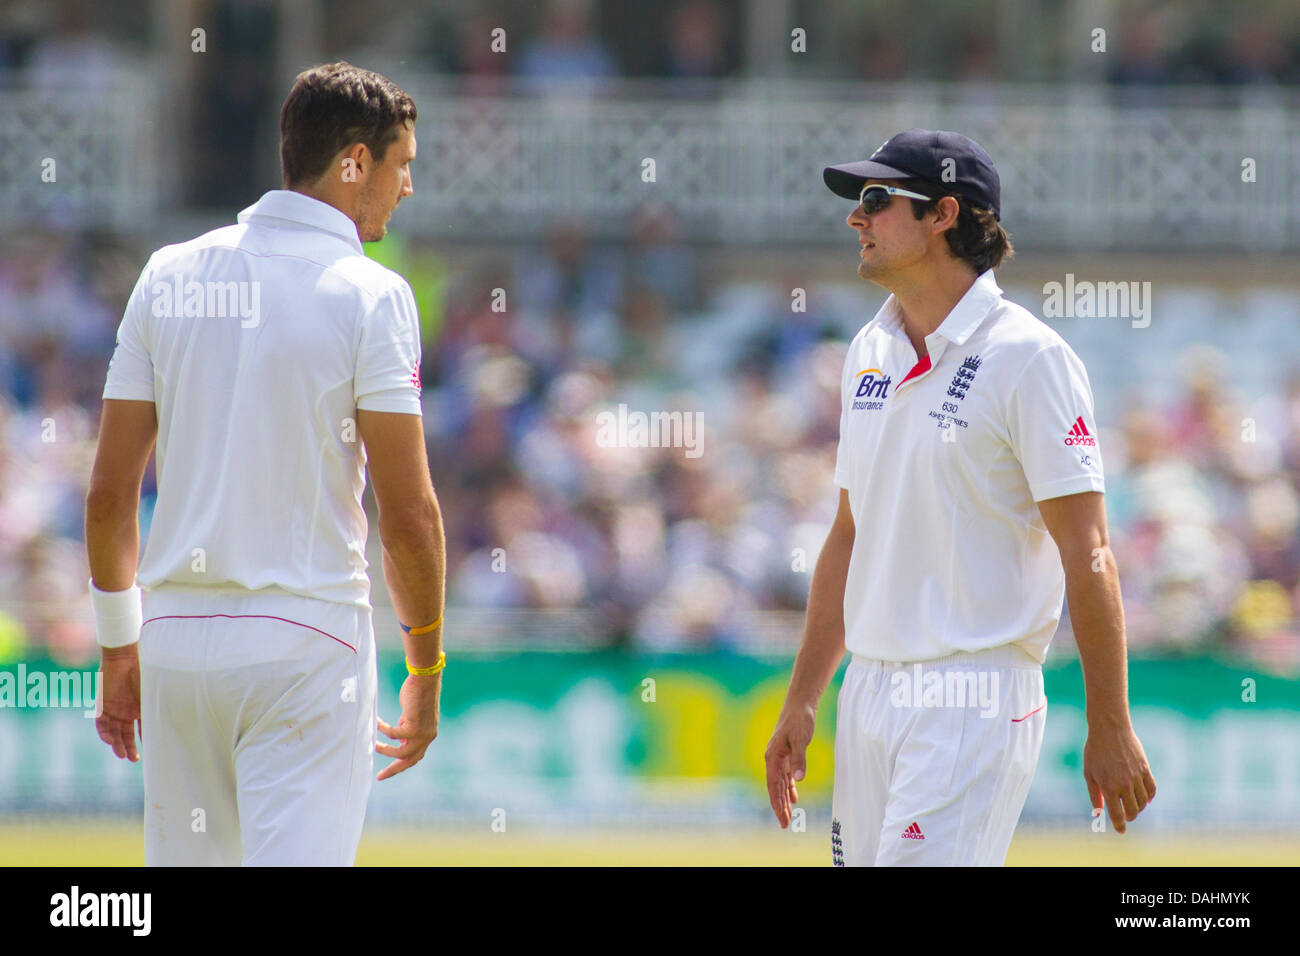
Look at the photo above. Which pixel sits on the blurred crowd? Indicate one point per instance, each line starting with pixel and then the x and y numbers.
pixel 61 296
pixel 1203 501
pixel 666 549
pixel 1203 489
pixel 1145 43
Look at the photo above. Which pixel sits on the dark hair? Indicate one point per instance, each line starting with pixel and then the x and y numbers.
pixel 332 106
pixel 977 237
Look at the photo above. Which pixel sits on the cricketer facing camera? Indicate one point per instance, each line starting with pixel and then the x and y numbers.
pixel 249 659
pixel 971 501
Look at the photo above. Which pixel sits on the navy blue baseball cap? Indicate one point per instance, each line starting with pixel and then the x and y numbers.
pixel 955 161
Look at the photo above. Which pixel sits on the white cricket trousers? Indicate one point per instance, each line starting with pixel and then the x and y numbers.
pixel 933 761
pixel 257 730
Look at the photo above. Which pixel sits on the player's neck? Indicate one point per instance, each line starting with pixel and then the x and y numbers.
pixel 343 199
pixel 924 300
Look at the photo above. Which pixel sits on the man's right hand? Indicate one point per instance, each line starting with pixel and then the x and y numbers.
pixel 785 758
pixel 417 727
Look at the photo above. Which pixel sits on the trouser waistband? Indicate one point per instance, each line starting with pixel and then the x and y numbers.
pixel 1007 655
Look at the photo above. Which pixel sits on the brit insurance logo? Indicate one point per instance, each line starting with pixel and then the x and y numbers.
pixel 873 387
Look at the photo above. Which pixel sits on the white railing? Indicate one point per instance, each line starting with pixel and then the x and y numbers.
pixel 740 163
pixel 84 157
pixel 1087 167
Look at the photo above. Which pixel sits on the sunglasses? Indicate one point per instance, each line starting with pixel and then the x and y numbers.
pixel 876 197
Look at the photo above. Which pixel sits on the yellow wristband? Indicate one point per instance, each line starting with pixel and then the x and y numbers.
pixel 430 670
pixel 426 629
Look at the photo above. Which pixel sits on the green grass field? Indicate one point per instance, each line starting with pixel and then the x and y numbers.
pixel 115 843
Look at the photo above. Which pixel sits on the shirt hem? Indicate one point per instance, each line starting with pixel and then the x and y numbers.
pixel 170 596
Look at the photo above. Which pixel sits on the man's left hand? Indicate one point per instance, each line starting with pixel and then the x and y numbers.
pixel 120 700
pixel 1118 775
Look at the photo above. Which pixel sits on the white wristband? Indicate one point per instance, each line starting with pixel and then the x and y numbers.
pixel 118 615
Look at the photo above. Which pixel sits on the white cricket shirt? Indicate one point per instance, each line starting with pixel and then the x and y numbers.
pixel 943 460
pixel 258 342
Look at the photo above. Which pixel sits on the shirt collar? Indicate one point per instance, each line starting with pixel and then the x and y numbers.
pixel 966 316
pixel 295 207
pixel 971 310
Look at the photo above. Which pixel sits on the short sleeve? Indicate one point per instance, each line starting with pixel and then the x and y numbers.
pixel 841 449
pixel 388 357
pixel 130 371
pixel 1051 426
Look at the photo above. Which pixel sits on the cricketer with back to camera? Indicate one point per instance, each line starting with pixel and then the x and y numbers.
pixel 242 649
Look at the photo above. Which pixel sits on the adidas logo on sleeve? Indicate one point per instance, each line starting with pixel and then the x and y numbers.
pixel 1079 434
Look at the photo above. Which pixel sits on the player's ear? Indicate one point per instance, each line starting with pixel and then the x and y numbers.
pixel 947 209
pixel 354 163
